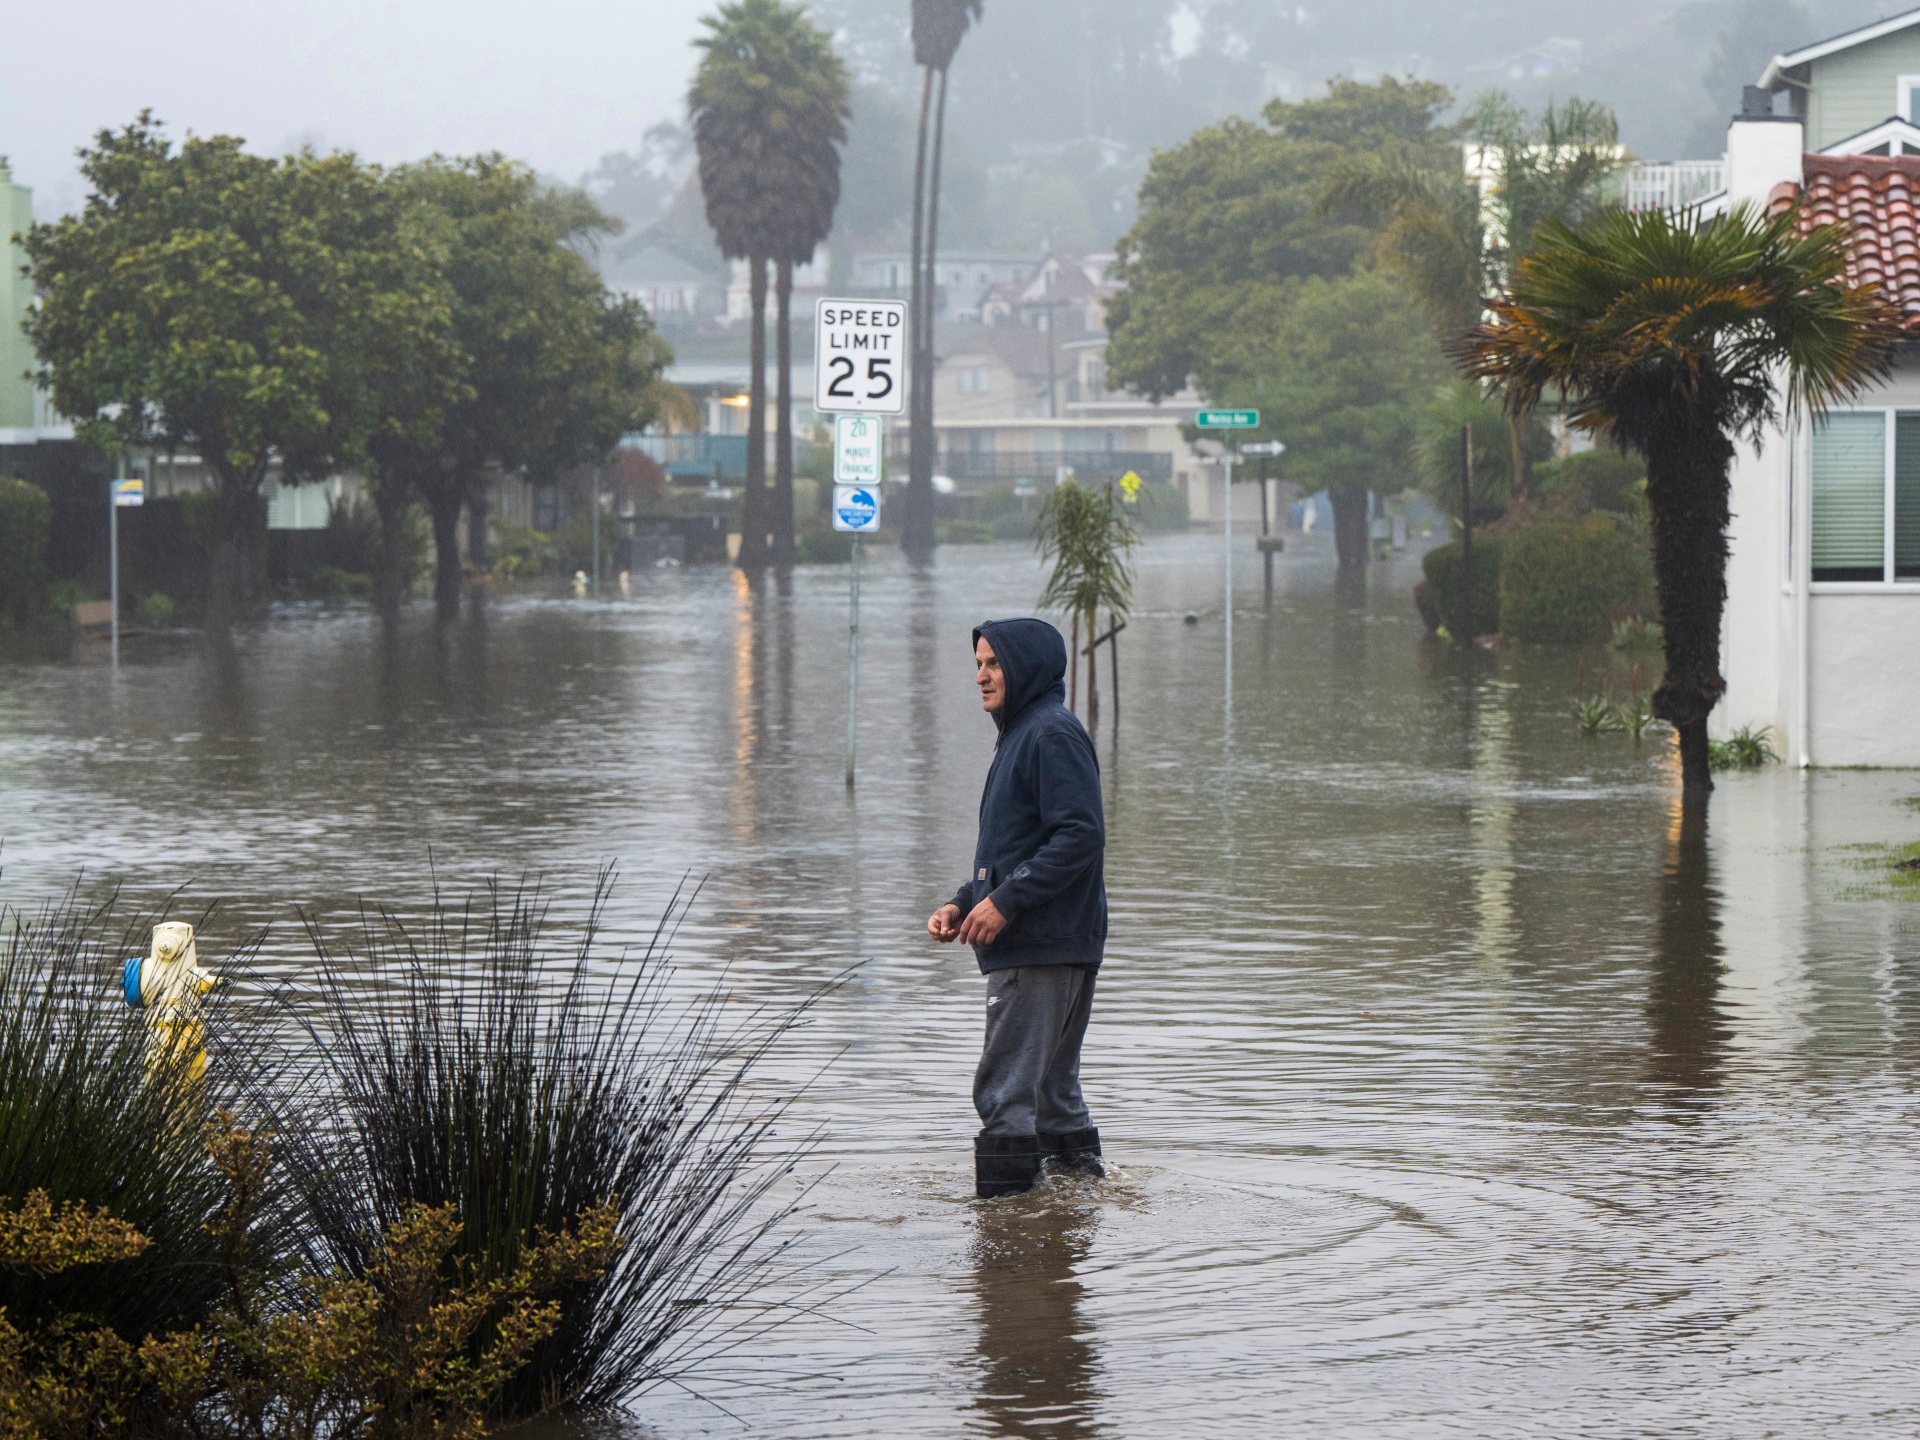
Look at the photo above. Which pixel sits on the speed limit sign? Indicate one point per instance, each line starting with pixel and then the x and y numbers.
pixel 860 357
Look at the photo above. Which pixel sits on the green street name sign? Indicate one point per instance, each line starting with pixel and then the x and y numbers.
pixel 1228 419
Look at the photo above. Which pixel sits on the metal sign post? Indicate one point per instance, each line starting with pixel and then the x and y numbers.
pixel 1266 449
pixel 1228 420
pixel 857 463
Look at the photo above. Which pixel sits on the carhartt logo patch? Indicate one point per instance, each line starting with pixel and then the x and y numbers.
pixel 981 876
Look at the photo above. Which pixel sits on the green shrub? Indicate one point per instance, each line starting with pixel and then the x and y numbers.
pixel 963 532
pixel 1013 525
pixel 1443 588
pixel 1745 749
pixel 1570 581
pixel 825 547
pixel 337 584
pixel 26 524
pixel 520 551
pixel 1160 507
pixel 1604 478
pixel 157 609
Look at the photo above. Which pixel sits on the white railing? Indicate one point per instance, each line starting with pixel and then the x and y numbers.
pixel 1671 185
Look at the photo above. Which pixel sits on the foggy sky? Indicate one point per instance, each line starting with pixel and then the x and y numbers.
pixel 558 83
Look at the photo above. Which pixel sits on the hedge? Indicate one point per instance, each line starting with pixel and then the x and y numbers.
pixel 1569 581
pixel 1443 588
pixel 26 525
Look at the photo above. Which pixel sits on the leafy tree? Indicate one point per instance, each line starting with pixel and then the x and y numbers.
pixel 1672 335
pixel 1229 217
pixel 938 28
pixel 1452 242
pixel 1335 369
pixel 764 103
pixel 553 368
pixel 209 299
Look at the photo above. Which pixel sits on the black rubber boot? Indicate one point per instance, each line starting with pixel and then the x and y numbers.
pixel 1005 1164
pixel 1075 1153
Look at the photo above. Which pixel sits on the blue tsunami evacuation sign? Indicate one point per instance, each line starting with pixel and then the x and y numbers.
pixel 856 508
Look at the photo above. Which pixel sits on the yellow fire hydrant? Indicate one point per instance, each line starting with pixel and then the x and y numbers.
pixel 168 983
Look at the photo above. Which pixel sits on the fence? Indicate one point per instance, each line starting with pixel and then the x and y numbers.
pixel 691 458
pixel 1673 185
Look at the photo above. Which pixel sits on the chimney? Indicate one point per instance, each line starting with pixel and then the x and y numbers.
pixel 1764 150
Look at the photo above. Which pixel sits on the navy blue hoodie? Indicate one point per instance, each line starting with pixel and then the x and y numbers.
pixel 1042 832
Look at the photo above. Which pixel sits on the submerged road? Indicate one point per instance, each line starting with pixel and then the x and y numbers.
pixel 1451 1088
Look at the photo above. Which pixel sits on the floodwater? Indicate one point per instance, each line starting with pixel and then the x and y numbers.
pixel 1452 1086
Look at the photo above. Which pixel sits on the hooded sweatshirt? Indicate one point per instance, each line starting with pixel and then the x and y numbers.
pixel 1042 831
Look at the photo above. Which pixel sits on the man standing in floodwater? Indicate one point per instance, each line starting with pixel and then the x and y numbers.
pixel 1035 912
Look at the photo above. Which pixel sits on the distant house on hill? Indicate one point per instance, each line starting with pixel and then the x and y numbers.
pixel 1020 393
pixel 1823 613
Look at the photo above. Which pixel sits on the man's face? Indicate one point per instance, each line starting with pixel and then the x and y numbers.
pixel 986 674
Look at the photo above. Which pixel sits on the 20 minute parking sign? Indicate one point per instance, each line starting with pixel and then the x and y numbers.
pixel 860 357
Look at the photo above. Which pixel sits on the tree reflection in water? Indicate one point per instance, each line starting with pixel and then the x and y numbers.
pixel 1037 1363
pixel 1688 1028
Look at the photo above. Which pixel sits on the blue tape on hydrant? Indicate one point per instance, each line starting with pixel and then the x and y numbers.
pixel 130 980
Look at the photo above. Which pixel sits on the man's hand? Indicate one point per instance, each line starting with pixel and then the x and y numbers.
pixel 983 924
pixel 944 925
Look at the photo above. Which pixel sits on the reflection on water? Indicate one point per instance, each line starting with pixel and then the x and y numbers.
pixel 1407 989
pixel 1037 1358
pixel 1689 1033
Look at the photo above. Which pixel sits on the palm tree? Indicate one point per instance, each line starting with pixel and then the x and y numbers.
pixel 1672 335
pixel 729 107
pixel 938 28
pixel 1087 535
pixel 814 93
pixel 1451 245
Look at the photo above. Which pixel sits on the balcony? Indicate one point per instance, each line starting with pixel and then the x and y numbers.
pixel 1672 184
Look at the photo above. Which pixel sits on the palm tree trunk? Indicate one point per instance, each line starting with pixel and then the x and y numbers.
pixel 918 533
pixel 753 523
pixel 1687 495
pixel 783 547
pixel 1522 487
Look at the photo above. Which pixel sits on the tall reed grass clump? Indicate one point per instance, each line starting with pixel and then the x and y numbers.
pixel 455 1170
pixel 484 1060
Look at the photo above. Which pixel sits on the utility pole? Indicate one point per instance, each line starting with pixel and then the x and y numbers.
pixel 595 587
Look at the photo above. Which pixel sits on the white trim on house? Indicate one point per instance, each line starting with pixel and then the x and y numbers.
pixel 1892 132
pixel 1774 75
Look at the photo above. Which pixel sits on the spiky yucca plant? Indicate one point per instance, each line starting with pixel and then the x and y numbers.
pixel 1673 335
pixel 91 1115
pixel 521 1076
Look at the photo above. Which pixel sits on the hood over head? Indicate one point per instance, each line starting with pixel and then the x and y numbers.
pixel 1033 658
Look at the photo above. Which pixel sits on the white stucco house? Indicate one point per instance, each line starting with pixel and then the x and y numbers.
pixel 1822 630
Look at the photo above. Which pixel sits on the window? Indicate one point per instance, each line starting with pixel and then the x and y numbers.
pixel 973 380
pixel 1904 88
pixel 1866 496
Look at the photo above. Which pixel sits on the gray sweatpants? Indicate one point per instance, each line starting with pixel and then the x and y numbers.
pixel 1029 1075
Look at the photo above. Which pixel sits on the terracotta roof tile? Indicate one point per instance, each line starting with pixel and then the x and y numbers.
pixel 1878 200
